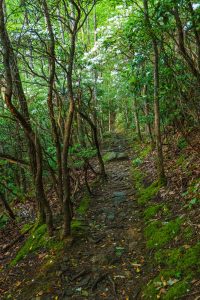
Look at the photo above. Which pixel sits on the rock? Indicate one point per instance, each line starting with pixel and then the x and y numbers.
pixel 109 156
pixel 100 259
pixel 122 155
pixel 84 281
pixel 119 197
pixel 111 216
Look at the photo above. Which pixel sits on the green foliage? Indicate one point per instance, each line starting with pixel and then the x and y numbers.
pixel 109 156
pixel 181 160
pixel 3 220
pixel 84 205
pixel 145 152
pixel 182 143
pixel 159 234
pixel 192 195
pixel 136 162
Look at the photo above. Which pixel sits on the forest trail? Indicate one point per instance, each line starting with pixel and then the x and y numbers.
pixel 108 261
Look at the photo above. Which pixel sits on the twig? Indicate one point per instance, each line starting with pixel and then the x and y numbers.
pixel 80 274
pixel 113 286
pixel 97 280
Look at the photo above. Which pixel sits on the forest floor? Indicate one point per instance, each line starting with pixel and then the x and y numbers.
pixel 117 254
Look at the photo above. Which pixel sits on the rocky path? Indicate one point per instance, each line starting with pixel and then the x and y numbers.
pixel 110 262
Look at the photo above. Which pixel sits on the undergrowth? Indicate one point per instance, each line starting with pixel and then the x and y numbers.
pixel 176 265
pixel 39 239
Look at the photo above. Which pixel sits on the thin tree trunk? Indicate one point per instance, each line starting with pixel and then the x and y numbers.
pixel 7 206
pixel 50 99
pixel 160 163
pixel 96 142
pixel 8 60
pixel 137 122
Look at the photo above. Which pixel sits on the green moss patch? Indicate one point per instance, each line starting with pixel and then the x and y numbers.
pixel 109 156
pixel 142 151
pixel 181 160
pixel 84 205
pixel 177 290
pixel 145 152
pixel 159 234
pixel 166 287
pixel 146 194
pixel 151 211
pixel 37 240
pixel 179 267
pixel 180 259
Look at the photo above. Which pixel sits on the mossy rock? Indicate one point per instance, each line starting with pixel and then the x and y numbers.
pixel 110 156
pixel 159 234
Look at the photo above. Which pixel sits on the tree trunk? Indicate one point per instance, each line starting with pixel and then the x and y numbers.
pixel 50 100
pixel 137 122
pixel 160 163
pixel 8 60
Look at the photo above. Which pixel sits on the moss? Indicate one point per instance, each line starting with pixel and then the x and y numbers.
pixel 26 227
pixel 145 152
pixel 146 194
pixel 109 156
pixel 181 160
pixel 38 239
pixel 151 211
pixel 177 290
pixel 159 234
pixel 188 233
pixel 84 205
pixel 180 260
pixel 142 150
pixel 166 287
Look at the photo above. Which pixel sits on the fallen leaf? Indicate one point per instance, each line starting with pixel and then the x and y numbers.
pixel 18 283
